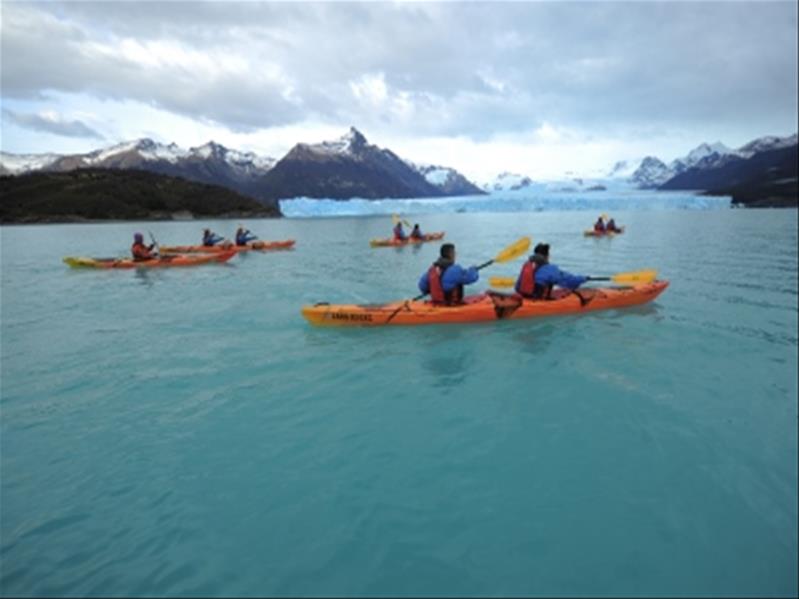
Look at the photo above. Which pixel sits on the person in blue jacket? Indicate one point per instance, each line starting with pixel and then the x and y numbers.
pixel 399 234
pixel 210 238
pixel 544 276
pixel 444 280
pixel 243 236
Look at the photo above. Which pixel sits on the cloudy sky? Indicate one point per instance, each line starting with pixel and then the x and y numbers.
pixel 538 88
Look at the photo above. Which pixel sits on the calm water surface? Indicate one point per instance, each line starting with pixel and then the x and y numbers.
pixel 185 432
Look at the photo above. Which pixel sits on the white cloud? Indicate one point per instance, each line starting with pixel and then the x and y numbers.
pixel 527 83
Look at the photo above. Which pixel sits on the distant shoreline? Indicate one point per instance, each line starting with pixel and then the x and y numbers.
pixel 77 220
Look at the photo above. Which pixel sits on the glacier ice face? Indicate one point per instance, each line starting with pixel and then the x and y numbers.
pixel 601 201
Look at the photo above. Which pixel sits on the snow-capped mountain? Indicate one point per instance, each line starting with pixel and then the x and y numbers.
pixel 768 142
pixel 210 163
pixel 135 154
pixel 508 181
pixel 651 172
pixel 447 179
pixel 351 167
pixel 18 164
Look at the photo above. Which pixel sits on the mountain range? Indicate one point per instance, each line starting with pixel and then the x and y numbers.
pixel 653 173
pixel 340 169
pixel 350 167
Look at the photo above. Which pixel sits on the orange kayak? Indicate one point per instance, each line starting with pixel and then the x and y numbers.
pixel 482 307
pixel 263 246
pixel 592 233
pixel 162 262
pixel 382 243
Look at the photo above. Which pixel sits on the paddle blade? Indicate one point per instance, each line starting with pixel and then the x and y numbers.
pixel 514 250
pixel 639 276
pixel 395 218
pixel 501 281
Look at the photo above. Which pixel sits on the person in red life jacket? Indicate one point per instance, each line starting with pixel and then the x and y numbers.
pixel 399 234
pixel 611 226
pixel 417 232
pixel 140 251
pixel 599 225
pixel 538 276
pixel 444 280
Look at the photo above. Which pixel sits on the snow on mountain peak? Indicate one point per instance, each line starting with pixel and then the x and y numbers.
pixel 704 150
pixel 769 142
pixel 348 143
pixel 17 164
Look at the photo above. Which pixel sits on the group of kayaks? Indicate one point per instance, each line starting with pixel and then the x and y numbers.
pixel 182 255
pixel 634 289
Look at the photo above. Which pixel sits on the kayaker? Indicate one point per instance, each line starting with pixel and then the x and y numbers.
pixel 417 232
pixel 243 236
pixel 444 280
pixel 599 225
pixel 399 234
pixel 611 226
pixel 544 276
pixel 210 238
pixel 140 251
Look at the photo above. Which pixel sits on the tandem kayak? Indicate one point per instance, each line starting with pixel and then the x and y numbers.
pixel 592 233
pixel 162 262
pixel 262 246
pixel 483 307
pixel 382 243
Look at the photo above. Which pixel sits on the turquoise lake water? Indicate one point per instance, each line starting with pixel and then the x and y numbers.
pixel 185 432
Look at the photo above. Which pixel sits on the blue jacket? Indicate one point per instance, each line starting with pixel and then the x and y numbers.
pixel 244 238
pixel 455 275
pixel 549 274
pixel 212 239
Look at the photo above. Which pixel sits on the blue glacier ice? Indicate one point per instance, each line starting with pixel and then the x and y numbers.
pixel 536 200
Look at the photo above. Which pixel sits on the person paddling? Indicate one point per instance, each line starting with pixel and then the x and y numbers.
pixel 444 280
pixel 611 226
pixel 417 232
pixel 244 236
pixel 599 225
pixel 538 276
pixel 210 238
pixel 140 251
pixel 399 233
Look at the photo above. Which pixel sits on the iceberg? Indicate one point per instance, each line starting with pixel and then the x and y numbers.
pixel 521 201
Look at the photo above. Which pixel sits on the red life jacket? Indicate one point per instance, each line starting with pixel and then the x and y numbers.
pixel 527 282
pixel 140 252
pixel 437 293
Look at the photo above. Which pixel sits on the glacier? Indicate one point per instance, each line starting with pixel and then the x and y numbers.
pixel 522 201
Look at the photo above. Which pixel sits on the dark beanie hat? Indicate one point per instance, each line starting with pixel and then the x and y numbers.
pixel 447 249
pixel 542 249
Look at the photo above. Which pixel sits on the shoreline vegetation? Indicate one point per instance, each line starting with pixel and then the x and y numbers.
pixel 105 195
